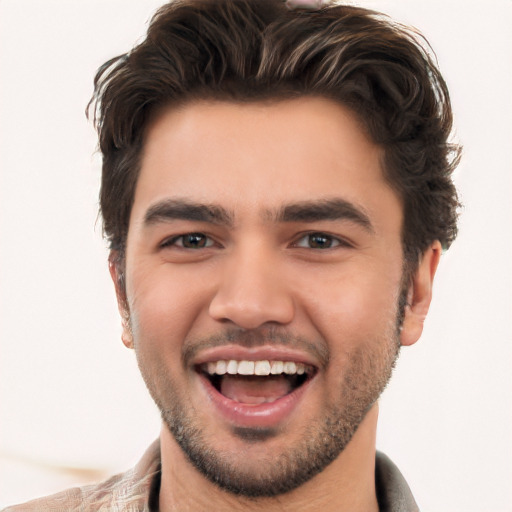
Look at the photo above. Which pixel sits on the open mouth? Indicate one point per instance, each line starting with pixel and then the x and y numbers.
pixel 256 382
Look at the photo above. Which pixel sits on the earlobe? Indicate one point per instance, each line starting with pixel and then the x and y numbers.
pixel 116 273
pixel 419 295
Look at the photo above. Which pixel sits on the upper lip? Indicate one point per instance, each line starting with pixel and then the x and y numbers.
pixel 264 353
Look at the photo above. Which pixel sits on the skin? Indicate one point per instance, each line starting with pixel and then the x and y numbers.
pixel 262 277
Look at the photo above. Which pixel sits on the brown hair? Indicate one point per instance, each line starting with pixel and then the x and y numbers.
pixel 250 50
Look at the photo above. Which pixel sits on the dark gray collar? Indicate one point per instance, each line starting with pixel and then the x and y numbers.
pixel 393 493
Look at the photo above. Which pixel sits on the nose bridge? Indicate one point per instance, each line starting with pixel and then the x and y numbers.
pixel 252 290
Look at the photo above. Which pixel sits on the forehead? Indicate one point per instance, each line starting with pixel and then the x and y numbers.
pixel 259 156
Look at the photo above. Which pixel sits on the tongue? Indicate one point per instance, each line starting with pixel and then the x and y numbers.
pixel 254 390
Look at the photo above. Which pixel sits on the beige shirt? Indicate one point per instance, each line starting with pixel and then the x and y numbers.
pixel 137 490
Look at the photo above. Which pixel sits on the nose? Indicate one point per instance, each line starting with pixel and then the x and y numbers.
pixel 252 291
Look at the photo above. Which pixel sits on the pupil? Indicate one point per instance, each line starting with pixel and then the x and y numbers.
pixel 194 240
pixel 320 241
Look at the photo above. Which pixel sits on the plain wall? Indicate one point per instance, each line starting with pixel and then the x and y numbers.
pixel 72 403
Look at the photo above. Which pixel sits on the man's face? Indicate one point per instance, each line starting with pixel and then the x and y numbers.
pixel 263 240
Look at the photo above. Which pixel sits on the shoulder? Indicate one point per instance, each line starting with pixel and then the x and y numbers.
pixel 393 492
pixel 57 502
pixel 74 499
pixel 130 491
pixel 120 492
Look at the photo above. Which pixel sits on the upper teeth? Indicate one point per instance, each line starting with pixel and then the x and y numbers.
pixel 265 367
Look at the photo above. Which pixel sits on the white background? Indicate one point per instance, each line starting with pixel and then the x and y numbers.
pixel 72 403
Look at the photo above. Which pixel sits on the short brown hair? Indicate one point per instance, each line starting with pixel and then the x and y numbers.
pixel 250 50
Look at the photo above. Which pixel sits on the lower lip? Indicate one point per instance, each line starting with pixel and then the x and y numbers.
pixel 264 415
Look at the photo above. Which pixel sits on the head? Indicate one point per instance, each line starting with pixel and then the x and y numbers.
pixel 258 50
pixel 222 287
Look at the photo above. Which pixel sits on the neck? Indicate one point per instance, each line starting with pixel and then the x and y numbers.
pixel 347 484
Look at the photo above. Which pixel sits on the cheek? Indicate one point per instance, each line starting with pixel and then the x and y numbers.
pixel 354 308
pixel 163 305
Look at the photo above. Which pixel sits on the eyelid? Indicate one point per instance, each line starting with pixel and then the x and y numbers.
pixel 171 241
pixel 338 240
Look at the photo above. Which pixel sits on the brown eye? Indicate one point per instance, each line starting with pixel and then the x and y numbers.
pixel 319 241
pixel 189 241
pixel 195 241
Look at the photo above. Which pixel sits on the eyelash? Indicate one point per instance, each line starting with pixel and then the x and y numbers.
pixel 331 240
pixel 172 242
pixel 338 242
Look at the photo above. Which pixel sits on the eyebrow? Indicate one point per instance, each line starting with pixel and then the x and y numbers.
pixel 170 209
pixel 304 211
pixel 326 209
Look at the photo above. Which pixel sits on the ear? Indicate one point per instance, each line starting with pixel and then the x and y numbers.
pixel 419 295
pixel 116 269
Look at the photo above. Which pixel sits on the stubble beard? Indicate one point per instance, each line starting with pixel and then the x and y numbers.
pixel 365 377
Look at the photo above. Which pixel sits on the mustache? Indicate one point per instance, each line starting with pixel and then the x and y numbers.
pixel 256 338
